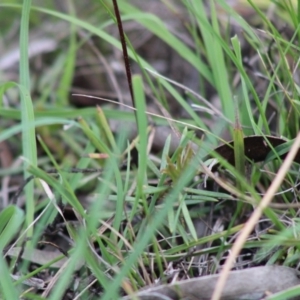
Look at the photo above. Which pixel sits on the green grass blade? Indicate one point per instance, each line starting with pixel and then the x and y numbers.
pixel 214 50
pixel 27 113
pixel 7 290
pixel 142 130
pixel 11 219
pixel 65 191
pixel 155 222
pixel 63 90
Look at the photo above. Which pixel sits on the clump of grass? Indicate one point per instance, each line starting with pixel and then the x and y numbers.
pixel 114 213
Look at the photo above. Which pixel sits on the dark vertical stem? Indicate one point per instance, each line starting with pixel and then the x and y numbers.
pixel 124 48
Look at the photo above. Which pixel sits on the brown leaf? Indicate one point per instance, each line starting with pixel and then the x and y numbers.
pixel 254 283
pixel 42 257
pixel 256 148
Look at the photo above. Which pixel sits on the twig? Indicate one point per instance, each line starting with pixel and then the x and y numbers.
pixel 254 219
